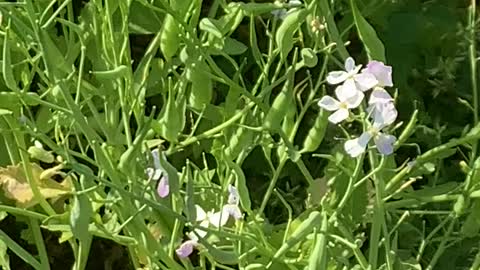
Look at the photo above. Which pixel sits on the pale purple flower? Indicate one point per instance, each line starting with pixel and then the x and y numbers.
pixel 163 188
pixel 383 115
pixel 382 73
pixel 352 81
pixel 186 248
pixel 156 173
pixel 342 105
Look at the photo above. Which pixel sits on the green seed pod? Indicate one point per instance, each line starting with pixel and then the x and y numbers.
pixel 173 118
pixel 287 127
pixel 280 104
pixel 284 34
pixel 316 133
pixel 170 37
pixel 202 86
pixel 318 257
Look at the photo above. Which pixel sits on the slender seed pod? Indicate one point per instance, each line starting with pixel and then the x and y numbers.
pixel 284 34
pixel 280 104
pixel 316 133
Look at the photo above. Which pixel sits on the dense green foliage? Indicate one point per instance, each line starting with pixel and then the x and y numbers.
pixel 226 95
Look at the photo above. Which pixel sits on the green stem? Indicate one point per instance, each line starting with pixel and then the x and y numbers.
pixel 37 235
pixel 474 73
pixel 272 185
pixel 19 251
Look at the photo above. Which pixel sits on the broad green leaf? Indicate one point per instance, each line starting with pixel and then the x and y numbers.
pixel 373 45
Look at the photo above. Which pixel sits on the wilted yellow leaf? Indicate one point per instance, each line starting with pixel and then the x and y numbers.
pixel 15 185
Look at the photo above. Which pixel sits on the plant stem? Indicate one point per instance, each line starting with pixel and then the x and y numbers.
pixel 473 67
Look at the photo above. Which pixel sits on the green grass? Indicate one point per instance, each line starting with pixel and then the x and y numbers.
pixel 228 93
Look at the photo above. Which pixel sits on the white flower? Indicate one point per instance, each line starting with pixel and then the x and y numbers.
pixel 345 101
pixel 383 115
pixel 352 81
pixel 379 95
pixel 156 173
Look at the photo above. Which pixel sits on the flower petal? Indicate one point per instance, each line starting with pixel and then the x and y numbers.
pixel 349 64
pixel 233 211
pixel 338 116
pixel 355 101
pixel 348 89
pixel 356 147
pixel 218 219
pixel 329 103
pixel 379 95
pixel 383 114
pixel 156 159
pixel 365 81
pixel 382 72
pixel 200 232
pixel 163 188
pixel 200 213
pixel 233 197
pixel 336 77
pixel 186 248
pixel 384 143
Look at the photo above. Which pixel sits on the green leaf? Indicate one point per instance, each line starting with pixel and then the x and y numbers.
pixel 234 47
pixel 373 45
pixel 4 259
pixel 211 26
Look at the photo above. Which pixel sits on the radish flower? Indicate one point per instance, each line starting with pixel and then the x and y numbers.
pixel 156 173
pixel 352 81
pixel 383 114
pixel 341 106
pixel 382 73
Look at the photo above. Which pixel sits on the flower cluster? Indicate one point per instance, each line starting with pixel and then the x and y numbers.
pixel 217 219
pixel 352 83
